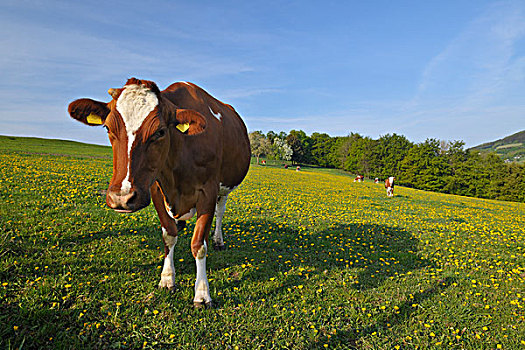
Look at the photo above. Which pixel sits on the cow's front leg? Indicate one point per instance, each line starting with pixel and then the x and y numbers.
pixel 199 248
pixel 167 276
pixel 202 287
pixel 169 237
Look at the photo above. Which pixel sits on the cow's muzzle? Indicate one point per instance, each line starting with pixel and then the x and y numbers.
pixel 124 203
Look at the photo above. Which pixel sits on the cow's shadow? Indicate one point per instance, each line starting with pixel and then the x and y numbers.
pixel 383 252
pixel 378 252
pixel 276 249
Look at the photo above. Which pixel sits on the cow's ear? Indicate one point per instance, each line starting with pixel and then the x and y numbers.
pixel 190 122
pixel 89 112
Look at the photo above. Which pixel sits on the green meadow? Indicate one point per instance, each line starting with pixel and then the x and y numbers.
pixel 313 261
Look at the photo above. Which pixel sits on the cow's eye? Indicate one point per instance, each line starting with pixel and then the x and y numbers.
pixel 160 133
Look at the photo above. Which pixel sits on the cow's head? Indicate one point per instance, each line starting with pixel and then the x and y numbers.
pixel 142 126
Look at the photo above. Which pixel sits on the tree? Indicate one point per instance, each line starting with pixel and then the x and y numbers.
pixel 340 153
pixel 322 145
pixel 514 183
pixel 281 149
pixel 424 167
pixel 271 135
pixel 259 144
pixel 456 182
pixel 301 146
pixel 391 150
pixel 497 171
pixel 456 154
pixel 368 158
pixel 360 156
pixel 348 152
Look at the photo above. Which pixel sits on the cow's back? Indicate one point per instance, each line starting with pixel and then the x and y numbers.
pixel 234 145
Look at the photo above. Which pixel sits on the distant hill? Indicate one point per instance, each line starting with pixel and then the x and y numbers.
pixel 510 148
pixel 33 145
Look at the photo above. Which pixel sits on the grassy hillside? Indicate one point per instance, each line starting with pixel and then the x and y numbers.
pixel 32 145
pixel 313 261
pixel 511 148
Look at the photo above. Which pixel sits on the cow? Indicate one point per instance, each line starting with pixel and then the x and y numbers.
pixel 359 178
pixel 389 185
pixel 179 148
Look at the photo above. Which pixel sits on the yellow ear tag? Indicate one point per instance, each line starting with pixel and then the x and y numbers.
pixel 183 127
pixel 94 119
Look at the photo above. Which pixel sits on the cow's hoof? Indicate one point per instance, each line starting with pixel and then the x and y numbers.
pixel 200 305
pixel 170 289
pixel 167 281
pixel 219 247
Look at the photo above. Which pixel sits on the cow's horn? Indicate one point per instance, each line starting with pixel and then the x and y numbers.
pixel 114 93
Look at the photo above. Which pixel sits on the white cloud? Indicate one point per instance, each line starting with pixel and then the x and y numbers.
pixel 228 94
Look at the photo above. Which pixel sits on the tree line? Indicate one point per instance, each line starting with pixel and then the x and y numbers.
pixel 433 165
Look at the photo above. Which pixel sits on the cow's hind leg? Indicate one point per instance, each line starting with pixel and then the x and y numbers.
pixel 220 208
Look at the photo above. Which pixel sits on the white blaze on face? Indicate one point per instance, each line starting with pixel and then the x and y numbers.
pixel 134 104
pixel 391 180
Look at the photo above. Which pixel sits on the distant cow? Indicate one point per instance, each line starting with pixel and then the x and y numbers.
pixel 359 178
pixel 180 148
pixel 389 185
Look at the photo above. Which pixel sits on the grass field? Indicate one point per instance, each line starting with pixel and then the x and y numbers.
pixel 314 261
pixel 511 145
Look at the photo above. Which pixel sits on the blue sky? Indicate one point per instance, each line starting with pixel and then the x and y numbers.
pixel 452 70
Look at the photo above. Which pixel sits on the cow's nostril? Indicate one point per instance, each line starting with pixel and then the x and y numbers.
pixel 131 200
pixel 112 199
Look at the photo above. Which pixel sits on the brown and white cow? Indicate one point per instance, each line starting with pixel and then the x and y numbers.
pixel 359 178
pixel 180 148
pixel 389 185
